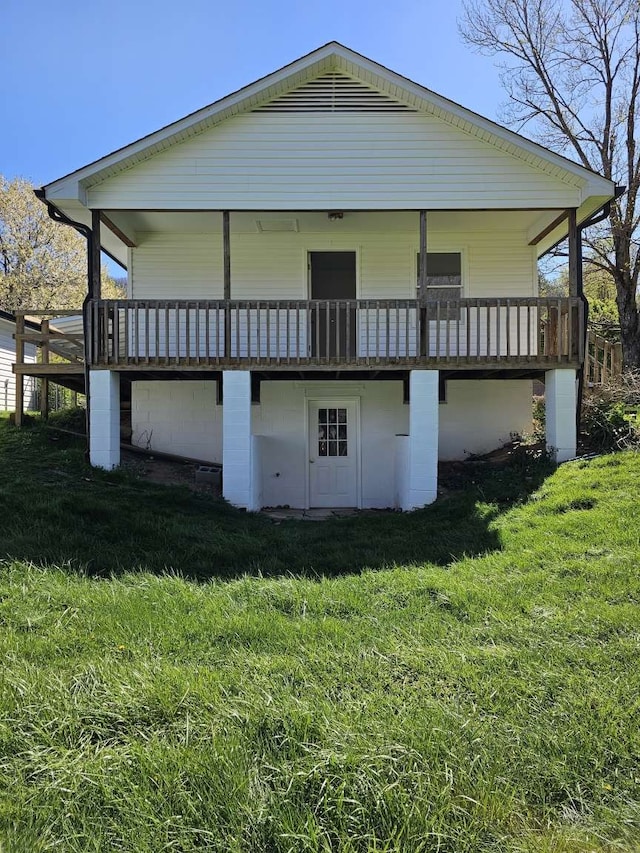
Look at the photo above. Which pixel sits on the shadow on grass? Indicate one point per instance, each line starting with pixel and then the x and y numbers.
pixel 55 510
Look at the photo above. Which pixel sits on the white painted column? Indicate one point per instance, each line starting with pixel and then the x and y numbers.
pixel 237 468
pixel 560 413
pixel 422 473
pixel 104 419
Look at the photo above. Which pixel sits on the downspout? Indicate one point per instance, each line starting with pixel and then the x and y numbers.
pixel 58 216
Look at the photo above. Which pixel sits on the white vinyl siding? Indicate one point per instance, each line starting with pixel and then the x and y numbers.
pixel 178 266
pixel 274 266
pixel 308 161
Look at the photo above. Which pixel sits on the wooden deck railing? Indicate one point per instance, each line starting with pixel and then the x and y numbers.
pixel 603 358
pixel 385 333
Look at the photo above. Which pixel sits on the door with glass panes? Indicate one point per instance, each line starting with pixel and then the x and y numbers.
pixel 333 457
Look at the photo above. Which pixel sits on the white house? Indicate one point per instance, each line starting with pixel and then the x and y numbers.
pixel 7 360
pixel 331 285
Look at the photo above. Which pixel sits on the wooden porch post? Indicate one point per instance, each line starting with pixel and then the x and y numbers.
pixel 18 418
pixel 44 382
pixel 422 283
pixel 575 278
pixel 574 253
pixel 95 283
pixel 226 250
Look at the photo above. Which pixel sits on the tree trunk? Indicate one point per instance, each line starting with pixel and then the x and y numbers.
pixel 626 286
pixel 629 323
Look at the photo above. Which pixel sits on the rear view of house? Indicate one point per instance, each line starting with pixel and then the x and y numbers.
pixel 332 284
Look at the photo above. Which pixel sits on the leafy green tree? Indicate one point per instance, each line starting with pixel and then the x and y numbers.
pixel 43 266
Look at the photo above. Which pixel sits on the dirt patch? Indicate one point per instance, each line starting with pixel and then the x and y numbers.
pixel 166 472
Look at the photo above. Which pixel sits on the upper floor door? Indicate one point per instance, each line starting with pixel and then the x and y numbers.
pixel 333 326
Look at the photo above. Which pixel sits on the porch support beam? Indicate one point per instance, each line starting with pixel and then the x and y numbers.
pixel 422 281
pixel 417 453
pixel 128 242
pixel 104 419
pixel 95 282
pixel 549 228
pixel 574 253
pixel 226 253
pixel 560 413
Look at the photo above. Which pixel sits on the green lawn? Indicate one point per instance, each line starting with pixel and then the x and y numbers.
pixel 180 676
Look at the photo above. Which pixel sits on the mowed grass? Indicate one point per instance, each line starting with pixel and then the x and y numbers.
pixel 158 694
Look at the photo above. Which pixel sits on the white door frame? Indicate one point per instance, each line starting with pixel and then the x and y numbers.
pixel 331 401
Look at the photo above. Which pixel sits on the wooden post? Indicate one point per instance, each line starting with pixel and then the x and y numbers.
pixel 574 254
pixel 226 249
pixel 44 382
pixel 95 283
pixel 422 283
pixel 19 376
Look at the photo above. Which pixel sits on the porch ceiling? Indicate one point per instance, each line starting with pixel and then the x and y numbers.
pixel 133 222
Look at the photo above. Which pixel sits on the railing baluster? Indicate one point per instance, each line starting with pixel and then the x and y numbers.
pixel 267 349
pixel 116 334
pixel 447 330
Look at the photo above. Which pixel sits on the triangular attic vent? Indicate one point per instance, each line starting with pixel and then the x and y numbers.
pixel 334 93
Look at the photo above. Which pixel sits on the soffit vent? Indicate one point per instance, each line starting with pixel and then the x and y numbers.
pixel 277 225
pixel 334 93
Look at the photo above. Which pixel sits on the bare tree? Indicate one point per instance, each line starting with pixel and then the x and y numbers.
pixel 571 69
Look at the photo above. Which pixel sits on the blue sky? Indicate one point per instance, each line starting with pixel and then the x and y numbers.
pixel 80 79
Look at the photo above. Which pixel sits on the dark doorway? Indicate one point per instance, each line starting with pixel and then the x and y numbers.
pixel 333 322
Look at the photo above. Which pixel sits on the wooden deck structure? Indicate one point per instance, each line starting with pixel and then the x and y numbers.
pixel 175 339
pixel 387 334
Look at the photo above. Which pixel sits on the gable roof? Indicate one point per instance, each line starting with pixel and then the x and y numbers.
pixel 331 58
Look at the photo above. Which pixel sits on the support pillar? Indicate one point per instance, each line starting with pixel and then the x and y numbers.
pixel 104 417
pixel 237 468
pixel 560 413
pixel 422 463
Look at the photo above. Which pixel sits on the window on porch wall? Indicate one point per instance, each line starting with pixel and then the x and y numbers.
pixel 444 276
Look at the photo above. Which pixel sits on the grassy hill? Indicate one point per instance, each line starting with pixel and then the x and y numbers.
pixel 180 676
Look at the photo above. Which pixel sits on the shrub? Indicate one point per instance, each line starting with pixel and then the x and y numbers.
pixel 609 417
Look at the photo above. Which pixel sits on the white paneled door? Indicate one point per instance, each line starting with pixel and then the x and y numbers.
pixel 333 453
